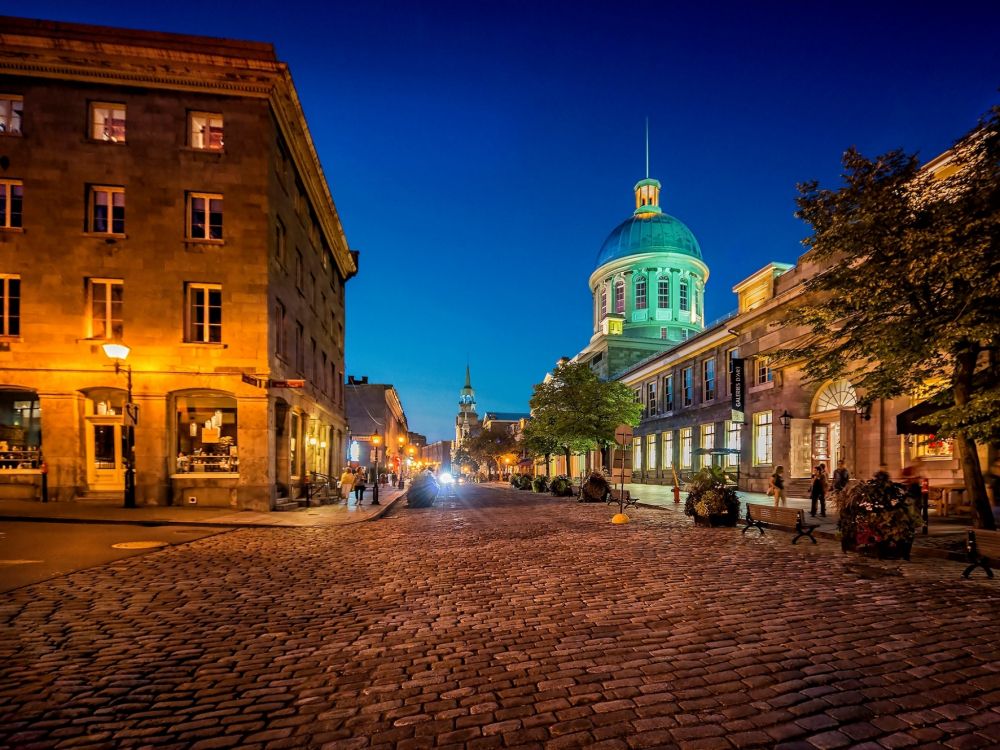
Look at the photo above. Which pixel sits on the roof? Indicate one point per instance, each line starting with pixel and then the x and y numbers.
pixel 504 416
pixel 650 233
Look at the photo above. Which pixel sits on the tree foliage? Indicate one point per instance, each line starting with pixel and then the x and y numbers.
pixel 489 446
pixel 909 296
pixel 577 411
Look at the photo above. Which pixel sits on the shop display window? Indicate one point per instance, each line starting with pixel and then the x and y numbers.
pixel 20 430
pixel 206 433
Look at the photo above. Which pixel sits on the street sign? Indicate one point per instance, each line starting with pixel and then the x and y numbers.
pixel 254 380
pixel 738 417
pixel 362 438
pixel 287 383
pixel 131 417
pixel 623 434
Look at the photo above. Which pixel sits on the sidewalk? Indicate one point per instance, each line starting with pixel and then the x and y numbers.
pixel 338 514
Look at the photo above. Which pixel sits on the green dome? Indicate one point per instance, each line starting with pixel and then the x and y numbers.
pixel 652 233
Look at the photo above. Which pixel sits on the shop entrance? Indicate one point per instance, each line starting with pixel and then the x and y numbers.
pixel 830 401
pixel 105 471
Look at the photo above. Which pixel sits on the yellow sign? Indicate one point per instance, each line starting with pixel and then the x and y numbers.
pixel 616 327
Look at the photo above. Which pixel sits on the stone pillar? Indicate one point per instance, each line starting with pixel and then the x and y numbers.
pixel 154 450
pixel 255 484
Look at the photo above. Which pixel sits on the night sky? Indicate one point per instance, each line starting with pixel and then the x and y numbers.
pixel 479 153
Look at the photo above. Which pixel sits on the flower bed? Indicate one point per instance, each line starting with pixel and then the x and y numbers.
pixel 877 518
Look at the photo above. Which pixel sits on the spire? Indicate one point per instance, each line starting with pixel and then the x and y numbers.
pixel 468 377
pixel 647 148
pixel 647 190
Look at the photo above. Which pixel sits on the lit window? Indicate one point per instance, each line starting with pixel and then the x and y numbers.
pixel 207 433
pixel 707 443
pixel 733 443
pixel 683 294
pixel 11 108
pixel 620 296
pixel 205 131
pixel 762 438
pixel 104 298
pixel 688 386
pixel 107 122
pixel 668 393
pixel 204 216
pixel 604 301
pixel 107 210
pixel 663 294
pixel 637 454
pixel 640 293
pixel 663 334
pixel 764 373
pixel 651 452
pixel 11 203
pixel 204 313
pixel 686 447
pixel 667 450
pixel 708 375
pixel 10 305
pixel 932 446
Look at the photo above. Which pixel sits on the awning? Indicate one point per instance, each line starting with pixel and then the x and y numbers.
pixel 906 420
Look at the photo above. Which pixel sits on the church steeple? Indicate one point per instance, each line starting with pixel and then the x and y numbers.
pixel 467 398
pixel 647 191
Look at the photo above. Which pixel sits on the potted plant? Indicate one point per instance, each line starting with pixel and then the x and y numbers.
pixel 540 484
pixel 710 500
pixel 561 486
pixel 595 489
pixel 877 518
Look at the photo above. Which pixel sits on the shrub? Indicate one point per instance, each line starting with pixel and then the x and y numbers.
pixel 561 486
pixel 514 480
pixel 540 484
pixel 708 494
pixel 877 515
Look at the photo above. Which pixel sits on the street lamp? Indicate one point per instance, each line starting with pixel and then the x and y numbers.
pixel 119 352
pixel 376 441
pixel 785 419
pixel 864 410
pixel 402 442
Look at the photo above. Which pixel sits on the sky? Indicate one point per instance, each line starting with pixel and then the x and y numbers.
pixel 479 153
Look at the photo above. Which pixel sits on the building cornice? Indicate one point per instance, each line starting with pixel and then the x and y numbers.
pixel 679 261
pixel 707 341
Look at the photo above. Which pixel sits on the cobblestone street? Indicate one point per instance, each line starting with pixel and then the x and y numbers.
pixel 501 619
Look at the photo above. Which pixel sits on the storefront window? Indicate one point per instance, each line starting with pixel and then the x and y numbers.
pixel 686 447
pixel 932 446
pixel 651 449
pixel 637 454
pixel 707 443
pixel 733 443
pixel 667 454
pixel 206 433
pixel 762 438
pixel 20 430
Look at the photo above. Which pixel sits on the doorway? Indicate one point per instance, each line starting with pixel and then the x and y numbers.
pixel 105 470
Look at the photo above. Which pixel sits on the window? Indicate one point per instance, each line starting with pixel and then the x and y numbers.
pixel 708 378
pixel 206 433
pixel 106 214
pixel 651 452
pixel 312 363
pixel 10 302
pixel 932 447
pixel 733 443
pixel 279 241
pixel 205 131
pixel 651 398
pixel 668 393
pixel 688 386
pixel 107 122
pixel 686 437
pixel 321 376
pixel 663 294
pixel 637 454
pixel 11 108
pixel 279 329
pixel 667 450
pixel 640 293
pixel 104 301
pixel 730 356
pixel 620 296
pixel 707 443
pixel 204 313
pixel 663 334
pixel 684 294
pixel 204 216
pixel 300 354
pixel 762 438
pixel 299 275
pixel 604 301
pixel 11 202
pixel 764 373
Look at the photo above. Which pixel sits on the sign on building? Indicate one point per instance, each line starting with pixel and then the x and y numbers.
pixel 737 385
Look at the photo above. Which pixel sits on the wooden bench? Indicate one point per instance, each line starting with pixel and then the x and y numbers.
pixel 758 515
pixel 983 548
pixel 614 497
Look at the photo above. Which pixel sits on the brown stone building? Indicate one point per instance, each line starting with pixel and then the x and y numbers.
pixel 163 191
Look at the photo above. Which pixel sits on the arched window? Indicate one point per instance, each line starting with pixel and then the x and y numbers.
pixel 620 296
pixel 683 293
pixel 835 395
pixel 663 294
pixel 640 293
pixel 604 301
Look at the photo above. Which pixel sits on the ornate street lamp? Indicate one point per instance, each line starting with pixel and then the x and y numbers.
pixel 119 352
pixel 864 410
pixel 402 442
pixel 785 419
pixel 376 441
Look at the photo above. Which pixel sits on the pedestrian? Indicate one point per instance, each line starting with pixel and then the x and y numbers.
pixel 817 492
pixel 346 483
pixel 841 476
pixel 913 487
pixel 776 486
pixel 359 488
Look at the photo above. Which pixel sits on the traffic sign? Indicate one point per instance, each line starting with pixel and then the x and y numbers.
pixel 623 434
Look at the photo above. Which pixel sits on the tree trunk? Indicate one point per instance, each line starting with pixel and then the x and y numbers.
pixel 566 451
pixel 548 457
pixel 965 365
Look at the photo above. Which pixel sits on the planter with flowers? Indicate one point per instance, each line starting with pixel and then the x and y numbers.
pixel 876 518
pixel 710 500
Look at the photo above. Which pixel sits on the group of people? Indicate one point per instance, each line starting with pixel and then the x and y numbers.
pixel 819 485
pixel 356 480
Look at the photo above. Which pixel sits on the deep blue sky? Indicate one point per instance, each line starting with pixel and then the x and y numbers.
pixel 479 153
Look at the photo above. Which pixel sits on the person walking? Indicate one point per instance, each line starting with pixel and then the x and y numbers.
pixel 346 483
pixel 841 476
pixel 777 486
pixel 817 493
pixel 359 487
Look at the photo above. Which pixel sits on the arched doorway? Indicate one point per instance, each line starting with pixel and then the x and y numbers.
pixel 830 401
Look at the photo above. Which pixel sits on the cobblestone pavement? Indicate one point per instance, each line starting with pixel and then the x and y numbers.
pixel 501 619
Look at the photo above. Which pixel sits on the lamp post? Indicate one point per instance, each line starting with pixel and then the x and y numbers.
pixel 402 442
pixel 119 352
pixel 376 441
pixel 785 419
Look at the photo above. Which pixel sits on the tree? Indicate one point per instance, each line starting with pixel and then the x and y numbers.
pixel 462 458
pixel 577 411
pixel 536 441
pixel 910 292
pixel 489 446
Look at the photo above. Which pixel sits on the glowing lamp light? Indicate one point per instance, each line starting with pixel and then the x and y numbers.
pixel 446 478
pixel 116 351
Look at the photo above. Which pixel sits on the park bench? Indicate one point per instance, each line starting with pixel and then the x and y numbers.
pixel 983 548
pixel 758 515
pixel 614 497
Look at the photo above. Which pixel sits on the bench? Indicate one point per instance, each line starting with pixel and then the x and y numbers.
pixel 614 497
pixel 758 515
pixel 983 548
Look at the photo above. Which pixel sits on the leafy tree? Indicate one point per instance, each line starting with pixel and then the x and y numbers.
pixel 910 292
pixel 578 411
pixel 462 458
pixel 536 441
pixel 491 445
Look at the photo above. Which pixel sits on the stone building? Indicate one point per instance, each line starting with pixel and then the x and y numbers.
pixel 375 408
pixel 163 191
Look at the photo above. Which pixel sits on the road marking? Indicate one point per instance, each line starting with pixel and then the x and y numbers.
pixel 139 545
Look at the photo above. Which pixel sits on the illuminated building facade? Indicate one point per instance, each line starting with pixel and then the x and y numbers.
pixel 163 191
